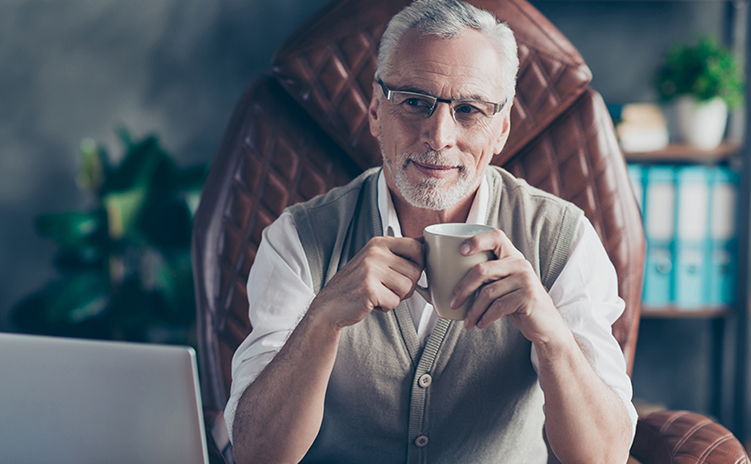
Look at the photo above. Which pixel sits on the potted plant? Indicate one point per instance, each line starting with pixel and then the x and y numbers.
pixel 124 260
pixel 703 79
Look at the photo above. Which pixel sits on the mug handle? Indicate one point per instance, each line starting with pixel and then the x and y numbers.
pixel 424 292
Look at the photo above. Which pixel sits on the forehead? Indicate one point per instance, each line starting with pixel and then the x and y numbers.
pixel 465 66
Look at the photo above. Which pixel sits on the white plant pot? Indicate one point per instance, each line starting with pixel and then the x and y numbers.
pixel 701 124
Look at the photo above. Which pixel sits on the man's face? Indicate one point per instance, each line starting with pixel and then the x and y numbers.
pixel 435 162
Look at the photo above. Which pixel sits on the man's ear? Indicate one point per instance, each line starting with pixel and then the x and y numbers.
pixel 503 135
pixel 375 104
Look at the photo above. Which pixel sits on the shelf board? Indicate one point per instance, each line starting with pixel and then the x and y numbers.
pixel 675 312
pixel 685 152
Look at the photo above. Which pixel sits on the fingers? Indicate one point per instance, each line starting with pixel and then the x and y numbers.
pixel 509 260
pixel 403 261
pixel 494 240
pixel 407 248
pixel 493 301
pixel 378 278
pixel 394 263
pixel 504 286
pixel 497 285
pixel 407 269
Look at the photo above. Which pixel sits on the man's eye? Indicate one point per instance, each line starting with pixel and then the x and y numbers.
pixel 467 109
pixel 417 102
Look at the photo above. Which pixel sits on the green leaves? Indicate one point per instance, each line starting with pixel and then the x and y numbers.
pixel 125 261
pixel 94 165
pixel 62 306
pixel 73 229
pixel 704 70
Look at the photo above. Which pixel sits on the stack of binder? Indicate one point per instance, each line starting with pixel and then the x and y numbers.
pixel 689 221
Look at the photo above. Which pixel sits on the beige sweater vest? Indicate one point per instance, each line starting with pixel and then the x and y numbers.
pixel 467 396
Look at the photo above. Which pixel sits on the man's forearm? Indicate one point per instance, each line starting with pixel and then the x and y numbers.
pixel 280 413
pixel 585 421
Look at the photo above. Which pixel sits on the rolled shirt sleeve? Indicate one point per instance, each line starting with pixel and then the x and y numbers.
pixel 586 294
pixel 279 292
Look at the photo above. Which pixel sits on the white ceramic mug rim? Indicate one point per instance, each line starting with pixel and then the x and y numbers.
pixel 457 229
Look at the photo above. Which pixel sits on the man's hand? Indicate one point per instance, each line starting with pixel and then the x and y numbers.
pixel 508 286
pixel 380 276
pixel 577 402
pixel 280 413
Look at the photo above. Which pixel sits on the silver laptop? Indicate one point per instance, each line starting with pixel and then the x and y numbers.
pixel 79 401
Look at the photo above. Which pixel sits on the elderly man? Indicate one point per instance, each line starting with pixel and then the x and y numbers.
pixel 346 363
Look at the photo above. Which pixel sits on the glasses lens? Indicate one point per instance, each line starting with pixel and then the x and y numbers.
pixel 414 103
pixel 470 112
pixel 418 105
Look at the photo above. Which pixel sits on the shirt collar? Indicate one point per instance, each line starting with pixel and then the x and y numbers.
pixel 390 221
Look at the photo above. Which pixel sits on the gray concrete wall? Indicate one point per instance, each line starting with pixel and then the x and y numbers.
pixel 623 42
pixel 71 69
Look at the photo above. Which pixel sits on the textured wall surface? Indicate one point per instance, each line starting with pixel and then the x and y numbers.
pixel 71 69
pixel 623 42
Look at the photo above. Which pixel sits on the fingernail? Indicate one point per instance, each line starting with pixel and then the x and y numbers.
pixel 452 303
pixel 464 249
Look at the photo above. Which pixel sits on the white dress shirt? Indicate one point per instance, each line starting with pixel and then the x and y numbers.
pixel 280 290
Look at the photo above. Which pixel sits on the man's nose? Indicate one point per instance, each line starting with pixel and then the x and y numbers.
pixel 441 128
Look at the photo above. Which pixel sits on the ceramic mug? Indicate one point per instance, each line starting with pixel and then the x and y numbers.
pixel 445 266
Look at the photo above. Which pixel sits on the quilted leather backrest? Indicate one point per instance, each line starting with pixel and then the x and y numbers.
pixel 303 129
pixel 577 158
pixel 272 155
pixel 685 437
pixel 328 68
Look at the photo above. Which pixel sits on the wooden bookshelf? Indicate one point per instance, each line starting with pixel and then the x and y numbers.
pixel 675 312
pixel 676 153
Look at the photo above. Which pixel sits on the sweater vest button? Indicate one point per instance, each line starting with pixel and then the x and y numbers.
pixel 421 441
pixel 425 380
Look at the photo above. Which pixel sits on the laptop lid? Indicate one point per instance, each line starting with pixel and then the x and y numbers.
pixel 66 400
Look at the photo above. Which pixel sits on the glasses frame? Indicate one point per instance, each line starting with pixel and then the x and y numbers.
pixel 389 94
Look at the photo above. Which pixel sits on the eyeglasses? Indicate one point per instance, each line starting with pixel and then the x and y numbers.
pixel 416 105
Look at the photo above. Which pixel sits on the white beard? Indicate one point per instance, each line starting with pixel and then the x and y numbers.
pixel 432 193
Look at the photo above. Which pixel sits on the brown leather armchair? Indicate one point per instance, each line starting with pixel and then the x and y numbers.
pixel 302 129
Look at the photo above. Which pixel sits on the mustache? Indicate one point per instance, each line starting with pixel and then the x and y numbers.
pixel 435 157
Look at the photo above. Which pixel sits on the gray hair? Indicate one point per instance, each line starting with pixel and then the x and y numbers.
pixel 447 19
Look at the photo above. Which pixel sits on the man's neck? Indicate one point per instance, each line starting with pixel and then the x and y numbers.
pixel 413 220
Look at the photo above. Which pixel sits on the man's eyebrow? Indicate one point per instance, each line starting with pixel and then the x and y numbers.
pixel 414 90
pixel 425 92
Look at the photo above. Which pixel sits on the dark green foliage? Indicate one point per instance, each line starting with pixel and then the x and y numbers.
pixel 704 70
pixel 125 262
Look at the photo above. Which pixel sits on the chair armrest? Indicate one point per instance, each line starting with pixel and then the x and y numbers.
pixel 685 437
pixel 217 438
